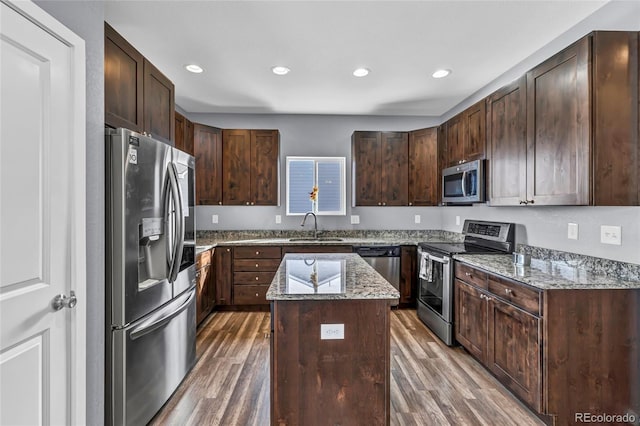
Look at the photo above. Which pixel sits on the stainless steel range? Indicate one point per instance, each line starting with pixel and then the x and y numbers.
pixel 436 272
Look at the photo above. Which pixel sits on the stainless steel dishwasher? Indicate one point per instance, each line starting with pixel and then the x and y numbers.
pixel 384 259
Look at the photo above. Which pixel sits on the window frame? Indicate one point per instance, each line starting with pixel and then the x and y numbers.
pixel 343 187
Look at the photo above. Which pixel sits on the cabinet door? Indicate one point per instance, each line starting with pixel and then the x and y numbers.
pixel 365 154
pixel 475 131
pixel 123 75
pixel 394 168
pixel 471 319
pixel 236 167
pixel 513 352
pixel 265 160
pixel 180 134
pixel 558 128
pixel 423 167
pixel 202 296
pixel 188 137
pixel 207 143
pixel 442 157
pixel 408 274
pixel 224 275
pixel 159 104
pixel 455 140
pixel 506 132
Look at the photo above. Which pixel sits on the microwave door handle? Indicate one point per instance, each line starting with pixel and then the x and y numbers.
pixel 464 183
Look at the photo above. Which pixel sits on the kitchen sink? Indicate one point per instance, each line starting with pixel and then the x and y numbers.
pixel 316 239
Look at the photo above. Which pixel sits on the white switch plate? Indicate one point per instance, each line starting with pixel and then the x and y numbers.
pixel 457 220
pixel 278 218
pixel 610 235
pixel 214 218
pixel 331 331
pixel 417 218
pixel 572 231
pixel 355 219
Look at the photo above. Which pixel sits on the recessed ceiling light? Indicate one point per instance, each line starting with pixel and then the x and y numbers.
pixel 441 73
pixel 361 72
pixel 280 70
pixel 194 68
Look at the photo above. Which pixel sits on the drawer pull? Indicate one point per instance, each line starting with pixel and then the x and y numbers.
pixel 256 294
pixel 257 278
pixel 508 291
pixel 257 266
pixel 468 274
pixel 257 252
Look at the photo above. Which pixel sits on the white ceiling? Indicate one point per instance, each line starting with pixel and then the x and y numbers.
pixel 401 42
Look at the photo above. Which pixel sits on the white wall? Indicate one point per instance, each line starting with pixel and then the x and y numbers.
pixel 315 135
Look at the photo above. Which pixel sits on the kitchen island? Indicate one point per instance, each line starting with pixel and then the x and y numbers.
pixel 330 347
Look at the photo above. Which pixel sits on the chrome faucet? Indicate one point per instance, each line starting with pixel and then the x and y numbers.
pixel 315 223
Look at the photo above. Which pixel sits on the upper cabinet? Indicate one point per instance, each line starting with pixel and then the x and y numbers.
pixel 466 136
pixel 207 146
pixel 424 177
pixel 184 134
pixel 569 134
pixel 250 167
pixel 137 95
pixel 380 168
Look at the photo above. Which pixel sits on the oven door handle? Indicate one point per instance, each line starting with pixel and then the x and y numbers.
pixel 443 260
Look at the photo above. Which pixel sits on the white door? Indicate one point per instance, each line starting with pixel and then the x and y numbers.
pixel 42 219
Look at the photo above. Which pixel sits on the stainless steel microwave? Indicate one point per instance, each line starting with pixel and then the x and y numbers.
pixel 464 183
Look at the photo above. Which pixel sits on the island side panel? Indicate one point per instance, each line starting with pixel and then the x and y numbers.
pixel 344 381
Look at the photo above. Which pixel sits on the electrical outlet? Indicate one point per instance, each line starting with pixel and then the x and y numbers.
pixel 457 220
pixel 355 219
pixel 214 218
pixel 572 231
pixel 611 235
pixel 331 331
pixel 278 218
pixel 417 218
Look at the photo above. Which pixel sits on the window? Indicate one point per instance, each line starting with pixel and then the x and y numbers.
pixel 325 173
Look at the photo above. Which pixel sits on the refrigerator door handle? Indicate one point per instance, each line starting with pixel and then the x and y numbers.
pixel 160 319
pixel 178 238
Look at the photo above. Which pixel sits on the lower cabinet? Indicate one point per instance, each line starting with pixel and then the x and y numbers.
pixel 205 290
pixel 408 276
pixel 253 270
pixel 223 275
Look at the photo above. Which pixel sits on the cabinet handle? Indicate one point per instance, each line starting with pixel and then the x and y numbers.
pixel 525 202
pixel 257 252
pixel 247 203
pixel 198 274
pixel 257 265
pixel 256 294
pixel 468 274
pixel 531 201
pixel 508 291
pixel 228 250
pixel 384 204
pixel 257 278
pixel 410 204
pixel 252 203
pixel 482 296
pixel 379 204
pixel 220 203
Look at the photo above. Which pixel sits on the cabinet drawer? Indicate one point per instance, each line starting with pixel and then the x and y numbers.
pixel 203 259
pixel 471 275
pixel 252 277
pixel 257 265
pixel 523 297
pixel 257 252
pixel 250 295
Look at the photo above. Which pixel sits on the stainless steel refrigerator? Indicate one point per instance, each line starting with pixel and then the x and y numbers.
pixel 150 274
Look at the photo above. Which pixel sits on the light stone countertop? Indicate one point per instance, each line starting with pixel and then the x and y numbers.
pixel 547 274
pixel 208 242
pixel 328 276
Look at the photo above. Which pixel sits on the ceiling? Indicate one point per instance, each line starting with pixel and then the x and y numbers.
pixel 322 42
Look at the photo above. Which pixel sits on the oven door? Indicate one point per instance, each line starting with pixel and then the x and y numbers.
pixel 435 290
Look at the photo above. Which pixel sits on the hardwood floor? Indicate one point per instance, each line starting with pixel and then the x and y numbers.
pixel 431 384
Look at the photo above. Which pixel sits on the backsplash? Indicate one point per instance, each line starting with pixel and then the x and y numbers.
pixel 596 265
pixel 416 235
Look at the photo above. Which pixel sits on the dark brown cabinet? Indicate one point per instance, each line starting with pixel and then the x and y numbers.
pixel 207 146
pixel 205 285
pixel 137 95
pixel 424 164
pixel 253 270
pixel 408 274
pixel 184 134
pixel 380 168
pixel 580 110
pixel 250 165
pixel 466 135
pixel 223 256
pixel 497 322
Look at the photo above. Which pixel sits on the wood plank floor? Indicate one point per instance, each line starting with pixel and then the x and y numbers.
pixel 431 384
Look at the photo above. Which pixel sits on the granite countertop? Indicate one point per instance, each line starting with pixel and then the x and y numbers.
pixel 328 277
pixel 208 242
pixel 547 274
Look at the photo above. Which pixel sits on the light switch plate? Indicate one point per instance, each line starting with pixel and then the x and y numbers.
pixel 355 219
pixel 572 231
pixel 214 218
pixel 331 331
pixel 611 235
pixel 417 218
pixel 278 218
